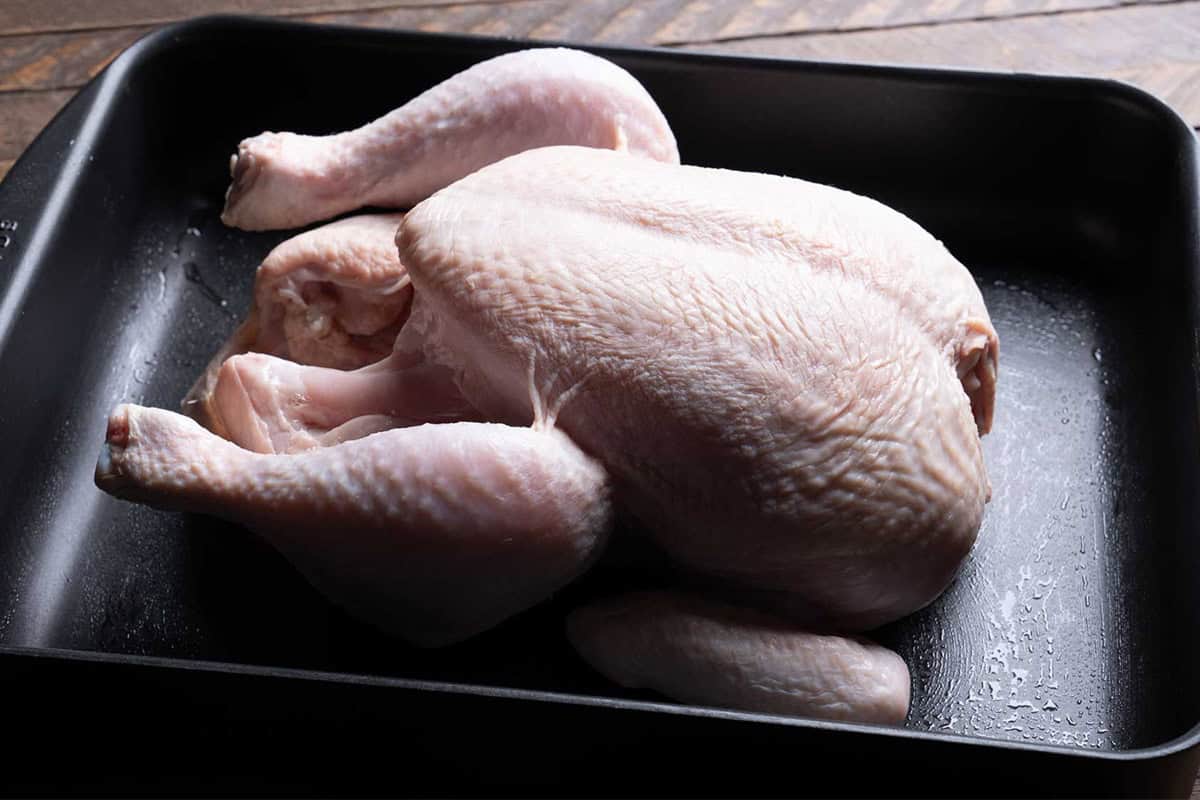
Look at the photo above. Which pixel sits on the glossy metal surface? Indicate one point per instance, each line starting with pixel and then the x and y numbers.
pixel 1065 648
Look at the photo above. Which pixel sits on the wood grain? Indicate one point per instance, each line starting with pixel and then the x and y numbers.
pixel 1155 47
pixel 663 22
pixel 25 114
pixel 1089 41
pixel 1176 83
pixel 650 21
pixel 59 60
pixel 715 21
pixel 39 16
pixel 62 60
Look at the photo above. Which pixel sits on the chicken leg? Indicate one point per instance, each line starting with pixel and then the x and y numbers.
pixel 432 533
pixel 502 106
pixel 707 653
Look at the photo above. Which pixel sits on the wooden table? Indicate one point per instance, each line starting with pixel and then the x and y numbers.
pixel 50 48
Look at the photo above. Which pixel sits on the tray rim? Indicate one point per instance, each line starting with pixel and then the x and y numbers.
pixel 99 92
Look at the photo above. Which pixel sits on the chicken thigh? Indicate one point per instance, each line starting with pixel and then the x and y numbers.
pixel 502 106
pixel 433 533
pixel 784 382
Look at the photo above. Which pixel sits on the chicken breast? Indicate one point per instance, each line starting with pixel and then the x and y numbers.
pixel 768 368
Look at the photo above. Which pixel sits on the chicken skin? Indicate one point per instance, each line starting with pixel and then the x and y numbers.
pixel 785 383
pixel 514 102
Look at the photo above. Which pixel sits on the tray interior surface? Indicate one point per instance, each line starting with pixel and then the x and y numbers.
pixel 1072 622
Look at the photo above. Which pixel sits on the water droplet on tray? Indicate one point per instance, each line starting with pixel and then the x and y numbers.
pixel 191 271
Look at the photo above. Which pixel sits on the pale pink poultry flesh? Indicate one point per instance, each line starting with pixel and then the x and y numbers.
pixel 783 381
pixel 434 533
pixel 700 651
pixel 335 296
pixel 514 102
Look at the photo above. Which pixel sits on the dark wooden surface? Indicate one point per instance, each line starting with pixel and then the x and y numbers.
pixel 50 48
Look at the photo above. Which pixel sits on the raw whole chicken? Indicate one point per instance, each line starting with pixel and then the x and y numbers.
pixel 785 384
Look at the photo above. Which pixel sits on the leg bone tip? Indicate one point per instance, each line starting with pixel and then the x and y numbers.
pixel 242 172
pixel 117 432
pixel 108 476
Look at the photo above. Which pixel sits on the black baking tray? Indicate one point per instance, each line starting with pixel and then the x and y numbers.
pixel 145 652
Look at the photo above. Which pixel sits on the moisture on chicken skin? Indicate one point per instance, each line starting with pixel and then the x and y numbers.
pixel 768 368
pixel 784 382
pixel 775 394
